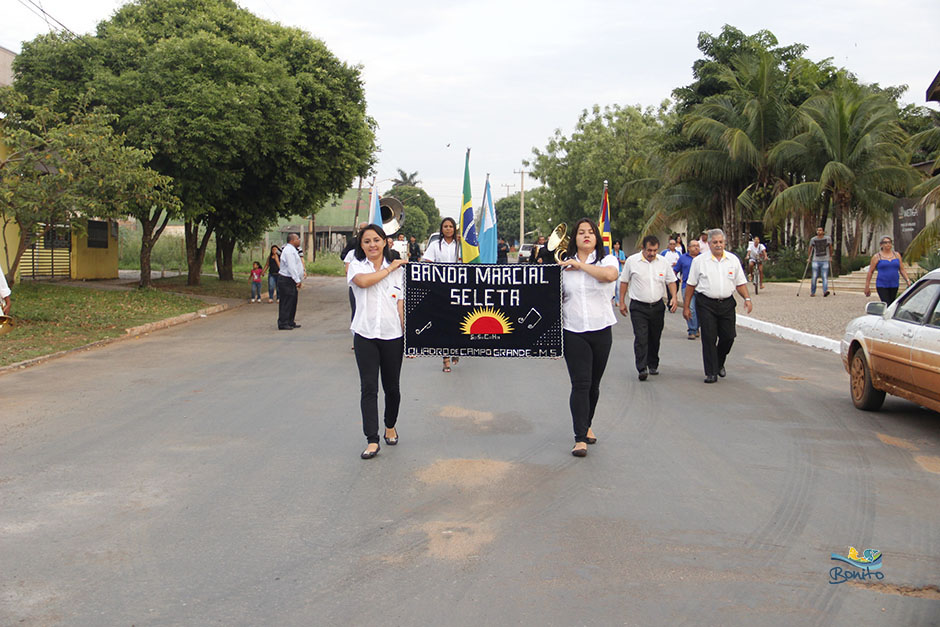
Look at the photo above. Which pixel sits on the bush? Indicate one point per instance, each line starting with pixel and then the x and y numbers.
pixel 930 262
pixel 787 264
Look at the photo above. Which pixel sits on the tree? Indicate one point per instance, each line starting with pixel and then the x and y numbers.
pixel 251 119
pixel 507 213
pixel 927 142
pixel 64 168
pixel 405 179
pixel 850 149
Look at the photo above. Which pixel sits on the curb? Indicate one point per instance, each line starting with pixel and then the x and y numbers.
pixel 133 332
pixel 786 333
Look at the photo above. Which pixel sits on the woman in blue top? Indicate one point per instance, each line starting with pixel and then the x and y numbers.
pixel 889 266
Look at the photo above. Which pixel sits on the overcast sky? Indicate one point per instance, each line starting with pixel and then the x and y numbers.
pixel 501 76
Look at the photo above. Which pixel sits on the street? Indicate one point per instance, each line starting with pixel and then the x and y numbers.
pixel 210 474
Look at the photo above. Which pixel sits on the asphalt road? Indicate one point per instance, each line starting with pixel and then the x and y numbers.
pixel 209 474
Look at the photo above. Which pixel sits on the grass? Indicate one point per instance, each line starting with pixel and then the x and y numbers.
pixel 51 318
pixel 210 285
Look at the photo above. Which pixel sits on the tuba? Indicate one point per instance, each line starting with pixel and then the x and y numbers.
pixel 6 324
pixel 558 242
pixel 393 214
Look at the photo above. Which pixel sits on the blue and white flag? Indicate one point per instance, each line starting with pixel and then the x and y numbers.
pixel 488 228
pixel 375 212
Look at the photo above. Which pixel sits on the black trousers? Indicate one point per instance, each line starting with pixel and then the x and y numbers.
pixel 376 357
pixel 648 320
pixel 887 294
pixel 352 305
pixel 287 308
pixel 716 319
pixel 586 355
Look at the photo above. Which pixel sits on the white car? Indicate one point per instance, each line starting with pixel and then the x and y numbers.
pixel 895 349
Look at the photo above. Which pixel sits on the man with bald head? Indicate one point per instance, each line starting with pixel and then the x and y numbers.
pixel 288 281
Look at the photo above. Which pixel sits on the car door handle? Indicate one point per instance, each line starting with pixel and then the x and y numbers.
pixel 908 334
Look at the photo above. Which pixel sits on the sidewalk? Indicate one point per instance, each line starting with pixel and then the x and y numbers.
pixel 826 316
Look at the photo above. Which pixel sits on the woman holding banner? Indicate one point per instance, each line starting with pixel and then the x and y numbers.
pixel 377 283
pixel 586 278
pixel 445 250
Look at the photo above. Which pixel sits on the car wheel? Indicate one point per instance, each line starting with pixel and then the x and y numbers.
pixel 864 395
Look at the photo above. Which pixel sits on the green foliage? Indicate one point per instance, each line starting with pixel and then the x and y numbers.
pixel 405 179
pixel 787 264
pixel 327 264
pixel 50 317
pixel 507 215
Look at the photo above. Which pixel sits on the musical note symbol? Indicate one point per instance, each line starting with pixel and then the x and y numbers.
pixel 531 319
pixel 424 328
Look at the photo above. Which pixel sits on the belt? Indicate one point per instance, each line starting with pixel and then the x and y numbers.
pixel 717 300
pixel 640 302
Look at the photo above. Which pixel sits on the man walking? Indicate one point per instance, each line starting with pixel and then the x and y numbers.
pixel 820 252
pixel 414 251
pixel 288 281
pixel 682 272
pixel 649 277
pixel 672 256
pixel 713 279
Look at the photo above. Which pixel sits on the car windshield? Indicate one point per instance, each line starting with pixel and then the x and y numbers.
pixel 915 306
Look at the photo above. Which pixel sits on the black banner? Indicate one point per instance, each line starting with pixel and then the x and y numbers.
pixel 909 220
pixel 471 310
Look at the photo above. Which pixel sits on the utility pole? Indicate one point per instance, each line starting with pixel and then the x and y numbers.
pixel 507 186
pixel 521 174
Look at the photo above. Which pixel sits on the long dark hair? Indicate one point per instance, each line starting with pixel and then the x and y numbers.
pixel 440 231
pixel 361 254
pixel 573 240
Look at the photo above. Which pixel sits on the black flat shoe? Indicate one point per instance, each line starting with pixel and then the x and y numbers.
pixel 579 452
pixel 295 326
pixel 653 370
pixel 722 373
pixel 711 379
pixel 391 441
pixel 590 439
pixel 367 454
pixel 643 374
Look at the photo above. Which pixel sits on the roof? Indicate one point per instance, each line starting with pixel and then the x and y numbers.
pixel 933 92
pixel 340 211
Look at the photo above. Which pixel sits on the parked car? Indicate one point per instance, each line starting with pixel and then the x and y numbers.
pixel 525 253
pixel 432 239
pixel 895 349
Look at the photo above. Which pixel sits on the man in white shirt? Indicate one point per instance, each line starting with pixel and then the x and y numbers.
pixel 756 256
pixel 714 278
pixel 649 277
pixel 289 280
pixel 5 292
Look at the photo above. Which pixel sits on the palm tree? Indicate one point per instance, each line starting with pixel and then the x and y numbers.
pixel 929 193
pixel 850 151
pixel 405 179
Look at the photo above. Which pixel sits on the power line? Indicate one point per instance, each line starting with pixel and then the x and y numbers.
pixel 46 16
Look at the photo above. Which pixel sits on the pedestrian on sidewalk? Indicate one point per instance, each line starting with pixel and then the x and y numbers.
pixel 682 273
pixel 289 280
pixel 671 255
pixel 273 267
pixel 649 277
pixel 713 279
pixel 820 254
pixel 889 265
pixel 377 282
pixel 256 272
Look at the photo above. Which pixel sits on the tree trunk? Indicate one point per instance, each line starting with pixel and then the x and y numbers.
pixel 148 239
pixel 224 249
pixel 837 253
pixel 195 249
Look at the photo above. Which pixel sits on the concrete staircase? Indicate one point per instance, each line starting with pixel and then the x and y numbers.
pixel 855 281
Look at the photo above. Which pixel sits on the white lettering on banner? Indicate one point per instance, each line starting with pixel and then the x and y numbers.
pixel 443 273
pixel 507 275
pixel 484 297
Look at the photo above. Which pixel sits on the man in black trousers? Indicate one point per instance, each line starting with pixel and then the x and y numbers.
pixel 714 277
pixel 288 282
pixel 649 277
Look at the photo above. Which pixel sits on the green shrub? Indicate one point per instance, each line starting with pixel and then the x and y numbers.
pixel 930 262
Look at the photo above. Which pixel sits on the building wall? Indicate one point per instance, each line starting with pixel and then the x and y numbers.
pixel 94 263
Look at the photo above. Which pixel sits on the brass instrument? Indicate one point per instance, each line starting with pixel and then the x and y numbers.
pixel 393 215
pixel 558 242
pixel 6 324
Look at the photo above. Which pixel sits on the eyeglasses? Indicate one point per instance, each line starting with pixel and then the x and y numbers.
pixel 885 241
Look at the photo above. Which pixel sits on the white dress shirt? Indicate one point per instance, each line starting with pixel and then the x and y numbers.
pixel 377 315
pixel 585 301
pixel 672 256
pixel 350 256
pixel 443 253
pixel 4 288
pixel 647 279
pixel 291 265
pixel 716 278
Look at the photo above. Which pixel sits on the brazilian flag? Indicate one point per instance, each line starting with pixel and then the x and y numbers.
pixel 469 244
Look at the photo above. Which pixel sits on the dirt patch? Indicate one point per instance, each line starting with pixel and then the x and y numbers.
pixel 457 540
pixel 793 378
pixel 898 442
pixel 928 463
pixel 465 473
pixel 923 592
pixel 486 422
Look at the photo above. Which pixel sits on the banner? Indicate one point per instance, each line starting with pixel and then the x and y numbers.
pixel 460 310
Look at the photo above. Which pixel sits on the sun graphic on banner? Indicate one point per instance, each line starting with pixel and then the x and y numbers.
pixel 485 321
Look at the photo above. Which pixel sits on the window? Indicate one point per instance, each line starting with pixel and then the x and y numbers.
pixel 935 317
pixel 914 308
pixel 97 234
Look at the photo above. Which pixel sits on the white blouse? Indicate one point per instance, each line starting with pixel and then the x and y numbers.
pixel 585 301
pixel 377 315
pixel 445 253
